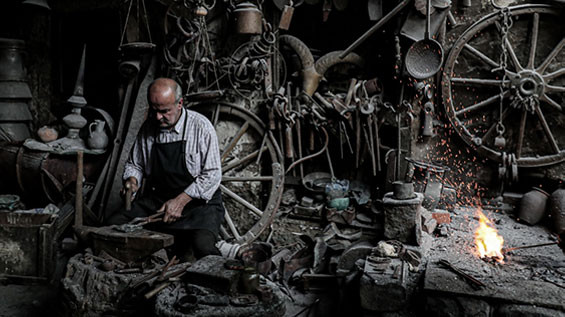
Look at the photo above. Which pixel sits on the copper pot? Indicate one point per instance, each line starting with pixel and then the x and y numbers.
pixel 248 18
pixel 557 210
pixel 532 206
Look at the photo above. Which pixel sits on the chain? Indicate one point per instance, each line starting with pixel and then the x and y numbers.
pixel 504 28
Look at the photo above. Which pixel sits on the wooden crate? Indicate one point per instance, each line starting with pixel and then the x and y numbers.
pixel 27 246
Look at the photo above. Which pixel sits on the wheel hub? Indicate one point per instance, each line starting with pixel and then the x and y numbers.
pixel 528 83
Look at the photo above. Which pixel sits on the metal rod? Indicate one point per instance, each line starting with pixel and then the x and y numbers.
pixel 374 28
pixel 529 246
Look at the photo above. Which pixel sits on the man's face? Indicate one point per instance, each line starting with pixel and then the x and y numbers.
pixel 166 110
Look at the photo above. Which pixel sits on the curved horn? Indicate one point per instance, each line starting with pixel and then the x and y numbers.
pixel 310 78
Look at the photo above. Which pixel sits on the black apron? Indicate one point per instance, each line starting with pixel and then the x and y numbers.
pixel 170 177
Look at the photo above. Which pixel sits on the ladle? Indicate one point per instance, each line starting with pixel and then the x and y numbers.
pixel 424 57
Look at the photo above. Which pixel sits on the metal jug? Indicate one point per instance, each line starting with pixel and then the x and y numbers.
pixel 97 138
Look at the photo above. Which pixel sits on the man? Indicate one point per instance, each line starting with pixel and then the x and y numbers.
pixel 176 154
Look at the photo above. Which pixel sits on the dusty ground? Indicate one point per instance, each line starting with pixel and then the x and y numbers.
pixel 27 301
pixel 545 265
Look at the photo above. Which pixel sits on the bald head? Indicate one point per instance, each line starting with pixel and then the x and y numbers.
pixel 164 87
pixel 165 101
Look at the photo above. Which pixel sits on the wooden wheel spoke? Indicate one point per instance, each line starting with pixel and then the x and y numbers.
pixel 551 102
pixel 245 160
pixel 481 56
pixel 241 201
pixel 513 56
pixel 551 56
pixel 234 141
pixel 247 178
pixel 547 131
pixel 477 81
pixel 533 41
pixel 492 128
pixel 551 88
pixel 232 226
pixel 216 115
pixel 555 74
pixel 480 105
pixel 521 133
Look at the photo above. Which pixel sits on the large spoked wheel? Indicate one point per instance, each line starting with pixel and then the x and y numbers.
pixel 252 171
pixel 533 90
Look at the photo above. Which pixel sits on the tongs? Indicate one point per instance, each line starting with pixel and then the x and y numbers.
pixel 138 223
pixel 141 221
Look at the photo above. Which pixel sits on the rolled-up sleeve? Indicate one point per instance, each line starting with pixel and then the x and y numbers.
pixel 208 180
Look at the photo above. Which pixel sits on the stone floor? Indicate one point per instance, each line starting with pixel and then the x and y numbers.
pixel 530 281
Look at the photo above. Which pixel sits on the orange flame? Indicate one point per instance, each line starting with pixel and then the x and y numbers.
pixel 489 243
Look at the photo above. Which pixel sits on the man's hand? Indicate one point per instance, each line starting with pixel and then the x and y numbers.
pixel 173 208
pixel 130 183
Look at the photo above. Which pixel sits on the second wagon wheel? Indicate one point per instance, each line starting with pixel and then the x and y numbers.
pixel 529 122
pixel 252 179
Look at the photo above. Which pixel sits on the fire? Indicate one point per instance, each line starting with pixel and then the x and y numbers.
pixel 489 243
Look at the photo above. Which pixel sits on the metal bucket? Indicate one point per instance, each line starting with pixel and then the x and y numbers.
pixel 532 206
pixel 248 19
pixel 428 179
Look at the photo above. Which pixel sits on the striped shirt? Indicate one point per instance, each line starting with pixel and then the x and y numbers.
pixel 202 152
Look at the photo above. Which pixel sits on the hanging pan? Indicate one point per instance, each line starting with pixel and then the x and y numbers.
pixel 424 57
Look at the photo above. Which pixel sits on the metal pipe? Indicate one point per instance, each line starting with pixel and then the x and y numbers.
pixel 374 28
pixel 529 246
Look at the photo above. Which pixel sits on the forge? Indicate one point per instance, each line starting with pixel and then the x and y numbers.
pixel 524 278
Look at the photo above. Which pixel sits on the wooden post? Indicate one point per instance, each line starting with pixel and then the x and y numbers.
pixel 78 190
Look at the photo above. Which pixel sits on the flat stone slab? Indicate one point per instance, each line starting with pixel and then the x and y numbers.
pixel 518 291
pixel 534 276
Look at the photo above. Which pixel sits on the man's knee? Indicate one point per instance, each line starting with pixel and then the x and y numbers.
pixel 203 243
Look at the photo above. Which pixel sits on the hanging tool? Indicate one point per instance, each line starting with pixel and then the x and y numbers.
pixel 377 138
pixel 428 127
pixel 424 57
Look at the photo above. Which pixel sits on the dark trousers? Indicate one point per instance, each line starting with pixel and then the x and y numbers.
pixel 189 243
pixel 198 243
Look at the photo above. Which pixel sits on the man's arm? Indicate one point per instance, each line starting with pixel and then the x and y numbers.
pixel 135 165
pixel 207 182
